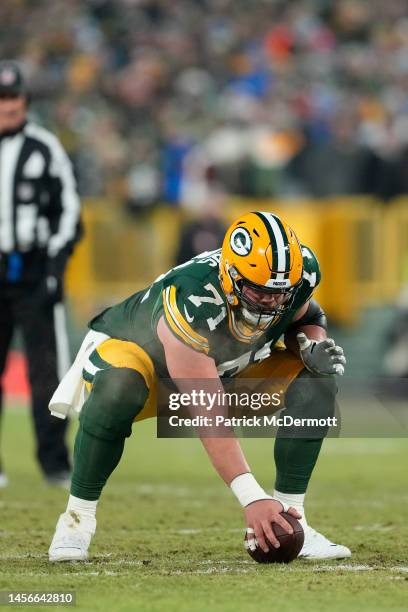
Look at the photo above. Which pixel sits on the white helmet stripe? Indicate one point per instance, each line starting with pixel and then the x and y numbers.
pixel 270 218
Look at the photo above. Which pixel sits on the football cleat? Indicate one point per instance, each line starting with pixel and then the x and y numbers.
pixel 317 547
pixel 72 537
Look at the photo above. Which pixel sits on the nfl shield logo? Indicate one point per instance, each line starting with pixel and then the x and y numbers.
pixel 8 77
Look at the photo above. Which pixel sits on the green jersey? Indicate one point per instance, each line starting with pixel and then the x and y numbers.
pixel 193 304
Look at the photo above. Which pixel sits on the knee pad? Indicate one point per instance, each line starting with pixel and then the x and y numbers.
pixel 310 396
pixel 117 397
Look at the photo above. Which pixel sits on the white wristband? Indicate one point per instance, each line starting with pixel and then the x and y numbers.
pixel 247 490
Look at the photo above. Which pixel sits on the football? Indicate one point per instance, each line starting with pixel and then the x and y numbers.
pixel 290 544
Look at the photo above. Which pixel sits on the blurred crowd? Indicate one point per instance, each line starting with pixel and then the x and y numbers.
pixel 158 100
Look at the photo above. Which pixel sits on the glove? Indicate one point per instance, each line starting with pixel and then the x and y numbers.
pixel 53 278
pixel 49 291
pixel 54 289
pixel 321 357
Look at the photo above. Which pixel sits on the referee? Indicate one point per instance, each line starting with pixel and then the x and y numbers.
pixel 39 225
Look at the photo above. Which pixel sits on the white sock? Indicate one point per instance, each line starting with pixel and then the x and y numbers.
pixel 296 500
pixel 82 506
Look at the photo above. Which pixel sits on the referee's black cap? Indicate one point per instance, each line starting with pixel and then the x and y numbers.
pixel 11 79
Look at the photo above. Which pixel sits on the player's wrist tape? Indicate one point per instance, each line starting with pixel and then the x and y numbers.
pixel 247 490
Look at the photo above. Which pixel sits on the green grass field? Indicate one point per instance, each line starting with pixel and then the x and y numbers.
pixel 170 534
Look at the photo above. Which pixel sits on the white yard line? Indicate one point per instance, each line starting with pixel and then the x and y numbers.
pixel 215 566
pixel 223 569
pixel 349 567
pixel 44 555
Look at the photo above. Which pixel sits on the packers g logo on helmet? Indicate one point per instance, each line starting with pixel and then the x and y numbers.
pixel 260 252
pixel 241 242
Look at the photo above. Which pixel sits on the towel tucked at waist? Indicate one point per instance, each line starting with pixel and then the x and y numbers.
pixel 70 393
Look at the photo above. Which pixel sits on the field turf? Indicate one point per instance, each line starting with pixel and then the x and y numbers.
pixel 170 533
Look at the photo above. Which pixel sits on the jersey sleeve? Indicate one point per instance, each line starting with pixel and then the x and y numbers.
pixel 192 311
pixel 311 268
pixel 311 276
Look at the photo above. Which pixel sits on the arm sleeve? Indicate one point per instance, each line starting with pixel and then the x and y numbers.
pixel 314 315
pixel 64 209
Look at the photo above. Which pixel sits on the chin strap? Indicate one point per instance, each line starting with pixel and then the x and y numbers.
pixel 255 319
pixel 242 331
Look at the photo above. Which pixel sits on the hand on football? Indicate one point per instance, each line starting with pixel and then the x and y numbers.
pixel 321 357
pixel 259 516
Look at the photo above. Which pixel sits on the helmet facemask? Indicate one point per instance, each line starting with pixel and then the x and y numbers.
pixel 255 316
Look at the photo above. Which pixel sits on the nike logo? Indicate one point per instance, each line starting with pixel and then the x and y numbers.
pixel 189 319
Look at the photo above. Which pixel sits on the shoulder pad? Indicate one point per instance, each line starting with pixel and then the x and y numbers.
pixel 193 310
pixel 311 269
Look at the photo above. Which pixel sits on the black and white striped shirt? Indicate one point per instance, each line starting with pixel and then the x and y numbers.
pixel 39 204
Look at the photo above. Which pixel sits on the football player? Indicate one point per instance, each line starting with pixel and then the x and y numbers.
pixel 217 316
